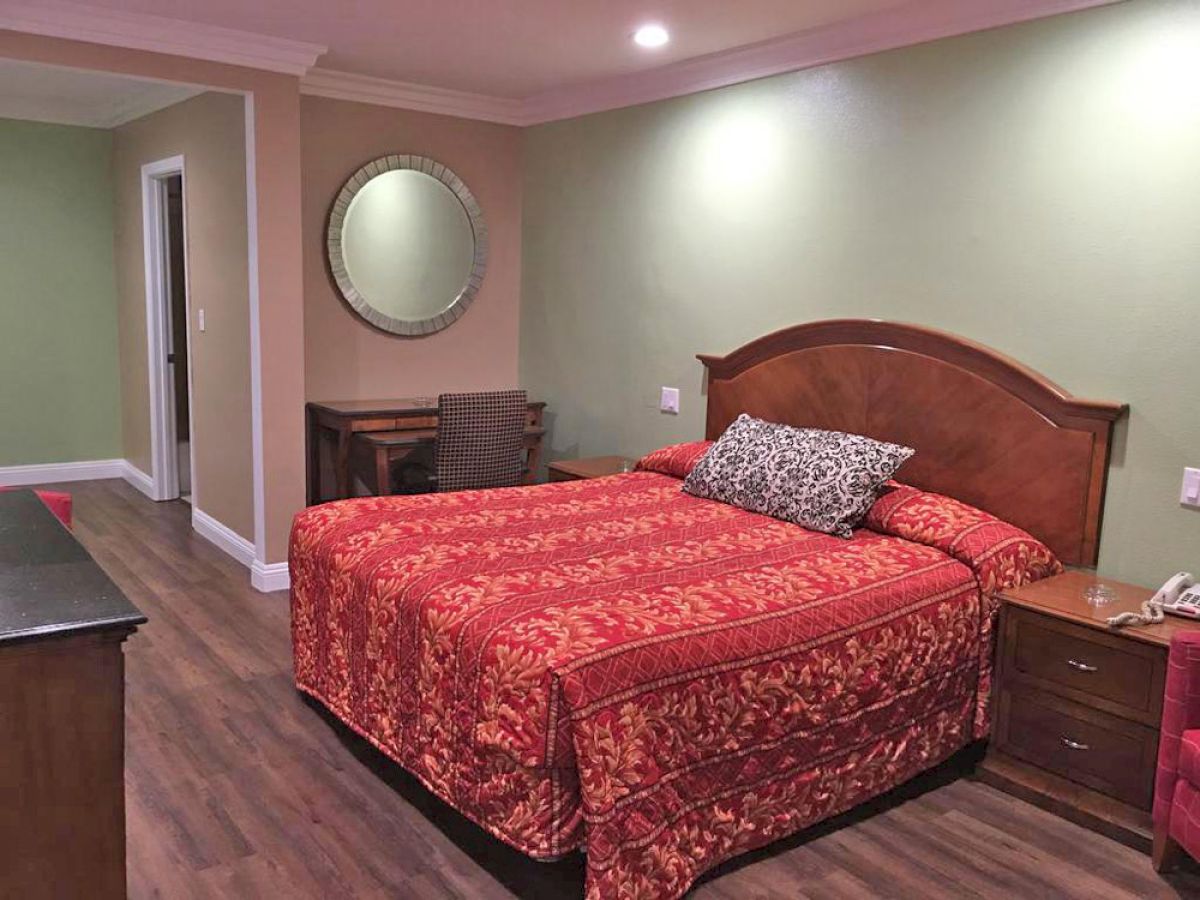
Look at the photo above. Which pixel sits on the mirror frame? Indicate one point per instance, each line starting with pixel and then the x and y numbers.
pixel 337 262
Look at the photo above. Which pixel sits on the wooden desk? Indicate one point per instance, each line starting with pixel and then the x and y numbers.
pixel 337 421
pixel 62 705
pixel 389 447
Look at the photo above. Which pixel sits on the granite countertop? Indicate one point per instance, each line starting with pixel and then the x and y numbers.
pixel 49 584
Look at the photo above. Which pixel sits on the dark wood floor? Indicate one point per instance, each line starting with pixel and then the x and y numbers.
pixel 238 788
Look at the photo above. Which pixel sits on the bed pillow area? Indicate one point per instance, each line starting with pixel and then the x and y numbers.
pixel 677 460
pixel 1001 555
pixel 822 480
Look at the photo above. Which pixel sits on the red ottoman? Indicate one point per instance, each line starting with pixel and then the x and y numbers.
pixel 56 501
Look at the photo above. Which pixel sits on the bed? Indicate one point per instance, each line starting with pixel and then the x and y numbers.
pixel 665 682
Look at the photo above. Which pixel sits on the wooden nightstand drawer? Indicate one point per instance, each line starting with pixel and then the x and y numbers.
pixel 1104 671
pixel 1063 675
pixel 1104 752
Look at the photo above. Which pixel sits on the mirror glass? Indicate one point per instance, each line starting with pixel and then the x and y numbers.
pixel 405 245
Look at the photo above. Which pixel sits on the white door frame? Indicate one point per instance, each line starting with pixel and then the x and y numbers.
pixel 164 462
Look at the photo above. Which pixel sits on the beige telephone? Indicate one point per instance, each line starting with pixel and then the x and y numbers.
pixel 1180 596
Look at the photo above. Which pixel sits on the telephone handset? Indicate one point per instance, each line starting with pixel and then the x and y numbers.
pixel 1180 596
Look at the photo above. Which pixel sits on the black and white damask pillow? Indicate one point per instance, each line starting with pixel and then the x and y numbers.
pixel 823 480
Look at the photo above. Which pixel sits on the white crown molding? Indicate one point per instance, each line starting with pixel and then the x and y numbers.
pixel 267 577
pixel 139 31
pixel 143 104
pixel 54 473
pixel 912 23
pixel 336 85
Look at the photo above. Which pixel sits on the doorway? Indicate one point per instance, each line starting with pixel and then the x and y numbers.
pixel 164 200
pixel 177 358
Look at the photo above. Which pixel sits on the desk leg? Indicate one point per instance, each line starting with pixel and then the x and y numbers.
pixel 383 473
pixel 533 461
pixel 312 435
pixel 341 463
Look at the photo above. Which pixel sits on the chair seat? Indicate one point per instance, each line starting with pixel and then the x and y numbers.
pixel 413 438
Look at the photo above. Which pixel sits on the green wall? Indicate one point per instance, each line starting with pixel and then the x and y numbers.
pixel 1036 188
pixel 59 397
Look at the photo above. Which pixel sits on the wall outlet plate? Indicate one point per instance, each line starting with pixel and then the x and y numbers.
pixel 1189 494
pixel 670 401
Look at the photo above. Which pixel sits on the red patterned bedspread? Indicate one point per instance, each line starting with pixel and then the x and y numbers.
pixel 670 681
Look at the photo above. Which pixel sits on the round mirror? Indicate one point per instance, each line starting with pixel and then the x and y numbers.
pixel 407 244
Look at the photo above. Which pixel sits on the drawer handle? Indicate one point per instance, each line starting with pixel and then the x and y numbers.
pixel 1074 745
pixel 1080 666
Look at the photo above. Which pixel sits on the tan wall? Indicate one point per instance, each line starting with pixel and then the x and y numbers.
pixel 276 100
pixel 1033 187
pixel 208 131
pixel 345 358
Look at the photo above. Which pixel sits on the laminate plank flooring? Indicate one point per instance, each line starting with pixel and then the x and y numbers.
pixel 238 787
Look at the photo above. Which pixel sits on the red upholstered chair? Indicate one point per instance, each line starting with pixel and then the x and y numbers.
pixel 56 501
pixel 1177 785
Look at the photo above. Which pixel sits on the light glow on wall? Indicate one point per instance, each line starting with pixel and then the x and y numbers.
pixel 738 153
pixel 1159 78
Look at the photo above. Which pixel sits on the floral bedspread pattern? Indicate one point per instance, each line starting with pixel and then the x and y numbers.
pixel 668 680
pixel 1002 556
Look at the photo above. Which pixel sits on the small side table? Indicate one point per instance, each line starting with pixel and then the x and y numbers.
pixel 592 467
pixel 1077 704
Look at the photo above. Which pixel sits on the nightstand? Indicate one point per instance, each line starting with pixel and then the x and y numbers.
pixel 592 467
pixel 1077 705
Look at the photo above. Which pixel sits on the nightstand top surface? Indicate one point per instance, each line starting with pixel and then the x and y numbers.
pixel 593 466
pixel 1062 597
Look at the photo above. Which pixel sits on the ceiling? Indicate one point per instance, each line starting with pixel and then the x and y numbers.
pixel 519 61
pixel 41 93
pixel 506 48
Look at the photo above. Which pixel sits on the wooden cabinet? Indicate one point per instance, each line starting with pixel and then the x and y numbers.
pixel 1077 705
pixel 62 711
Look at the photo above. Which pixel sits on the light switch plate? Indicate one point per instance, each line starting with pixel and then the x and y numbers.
pixel 200 317
pixel 1189 495
pixel 670 401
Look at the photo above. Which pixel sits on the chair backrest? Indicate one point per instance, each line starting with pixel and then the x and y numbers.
pixel 480 440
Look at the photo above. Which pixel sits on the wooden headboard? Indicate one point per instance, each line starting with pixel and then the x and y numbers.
pixel 987 430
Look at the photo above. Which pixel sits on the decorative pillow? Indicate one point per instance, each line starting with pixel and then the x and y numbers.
pixel 823 480
pixel 677 460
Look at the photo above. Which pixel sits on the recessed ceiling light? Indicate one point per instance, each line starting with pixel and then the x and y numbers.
pixel 651 36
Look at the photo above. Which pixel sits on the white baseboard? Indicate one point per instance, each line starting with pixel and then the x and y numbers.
pixel 51 473
pixel 137 478
pixel 264 577
pixel 268 577
pixel 222 536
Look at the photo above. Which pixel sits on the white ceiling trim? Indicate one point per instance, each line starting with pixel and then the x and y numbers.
pixel 139 31
pixel 150 101
pixel 912 23
pixel 321 82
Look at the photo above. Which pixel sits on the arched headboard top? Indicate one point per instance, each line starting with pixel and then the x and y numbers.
pixel 987 429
